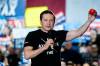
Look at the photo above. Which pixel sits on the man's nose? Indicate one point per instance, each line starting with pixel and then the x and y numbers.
pixel 48 22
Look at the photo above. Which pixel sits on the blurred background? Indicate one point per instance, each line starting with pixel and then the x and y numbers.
pixel 18 17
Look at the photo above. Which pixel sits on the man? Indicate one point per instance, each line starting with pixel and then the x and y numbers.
pixel 43 46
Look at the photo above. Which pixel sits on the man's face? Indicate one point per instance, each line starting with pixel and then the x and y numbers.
pixel 47 22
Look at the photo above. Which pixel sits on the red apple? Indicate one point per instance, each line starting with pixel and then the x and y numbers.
pixel 92 12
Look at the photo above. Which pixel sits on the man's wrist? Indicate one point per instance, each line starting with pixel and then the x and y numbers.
pixel 44 48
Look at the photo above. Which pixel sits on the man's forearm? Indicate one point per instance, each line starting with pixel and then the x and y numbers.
pixel 33 53
pixel 37 52
pixel 83 28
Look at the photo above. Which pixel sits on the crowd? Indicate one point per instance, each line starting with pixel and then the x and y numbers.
pixel 87 55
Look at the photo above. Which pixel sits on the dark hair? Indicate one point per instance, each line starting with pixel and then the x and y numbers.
pixel 46 12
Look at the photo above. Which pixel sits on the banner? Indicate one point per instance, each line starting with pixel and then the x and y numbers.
pixel 32 16
pixel 12 8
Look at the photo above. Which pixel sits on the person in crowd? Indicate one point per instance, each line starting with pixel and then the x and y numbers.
pixel 70 54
